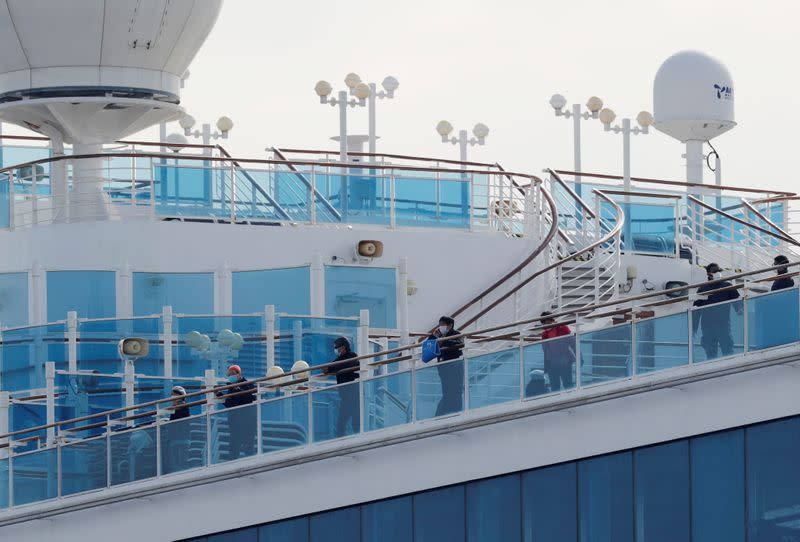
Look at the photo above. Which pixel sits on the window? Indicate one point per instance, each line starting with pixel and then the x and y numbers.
pixel 348 290
pixel 92 294
pixel 337 526
pixel 439 515
pixel 387 521
pixel 605 499
pixel 493 509
pixel 14 299
pixel 187 293
pixel 288 289
pixel 662 492
pixel 549 504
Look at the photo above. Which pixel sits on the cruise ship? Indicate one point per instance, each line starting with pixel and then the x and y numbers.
pixel 199 346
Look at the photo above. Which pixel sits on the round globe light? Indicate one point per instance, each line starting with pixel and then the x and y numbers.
pixel 274 371
pixel 352 80
pixel 226 337
pixel 362 91
pixel 186 122
pixel 300 365
pixel 323 89
pixel 594 104
pixel 607 116
pixel 194 339
pixel 480 130
pixel 238 341
pixel 176 142
pixel 645 119
pixel 444 128
pixel 206 343
pixel 390 84
pixel 224 124
pixel 558 102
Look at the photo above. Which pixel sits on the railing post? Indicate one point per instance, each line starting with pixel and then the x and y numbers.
pixel 402 301
pixel 471 188
pixel 34 194
pixel 317 286
pixel 297 340
pixel 233 193
pixel 11 204
pixel 152 190
pixel 133 177
pixel 413 387
pixel 745 323
pixel 208 408
pixel 167 339
pixel 108 451
pixel 50 401
pixel 521 366
pixel 363 334
pixel 5 405
pixel 159 425
pixel 72 341
pixel 578 360
pixel 690 330
pixel 313 195
pixel 363 348
pixel 129 384
pixel 392 203
pixel 269 331
pixel 634 346
pixel 259 422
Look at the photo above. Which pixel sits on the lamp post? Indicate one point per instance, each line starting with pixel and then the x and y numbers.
pixel 360 90
pixel 224 125
pixel 594 105
pixel 390 85
pixel 480 131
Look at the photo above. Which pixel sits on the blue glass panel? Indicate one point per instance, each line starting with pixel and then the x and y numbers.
pixel 494 378
pixel 133 455
pixel 387 401
pixel 5 204
pixel 3 483
pixel 14 299
pixel 718 330
pixel 662 492
pixel 718 487
pixel 234 433
pixel 239 535
pixel 13 154
pixel 337 526
pixel 310 339
pixel 773 481
pixel 550 504
pixel 605 498
pixel 493 509
pixel 91 293
pixel 440 389
pixel 97 346
pixel 550 366
pixel 288 289
pixel 432 202
pixel 25 416
pixel 35 476
pixel 195 353
pixel 183 444
pixel 25 351
pixel 387 521
pixel 439 515
pixel 348 290
pixel 84 466
pixel 284 422
pixel 605 354
pixel 82 395
pixel 336 413
pixel 191 191
pixel 651 228
pixel 368 197
pixel 291 530
pixel 186 293
pixel 773 319
pixel 662 342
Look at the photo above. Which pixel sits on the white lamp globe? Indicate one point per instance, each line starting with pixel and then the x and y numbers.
pixel 323 89
pixel 194 339
pixel 206 343
pixel 238 341
pixel 390 84
pixel 226 337
pixel 176 142
pixel 186 122
pixel 224 124
pixel 558 102
pixel 645 119
pixel 594 104
pixel 351 80
pixel 300 365
pixel 274 371
pixel 480 130
pixel 362 91
pixel 444 128
pixel 607 116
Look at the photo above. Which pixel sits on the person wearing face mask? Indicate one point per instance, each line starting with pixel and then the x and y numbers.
pixel 715 322
pixel 783 282
pixel 346 371
pixel 242 421
pixel 451 374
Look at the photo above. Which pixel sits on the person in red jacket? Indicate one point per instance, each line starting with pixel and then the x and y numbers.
pixel 558 355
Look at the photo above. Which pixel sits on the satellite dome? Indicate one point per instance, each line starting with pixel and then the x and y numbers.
pixel 693 97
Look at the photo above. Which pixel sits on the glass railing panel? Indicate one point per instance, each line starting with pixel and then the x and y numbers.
pixel 149 389
pixel 369 198
pixel 84 466
pixel 494 378
pixel 605 354
pixel 133 455
pixel 5 202
pixel 183 444
pixel 718 331
pixel 432 202
pixel 84 394
pixel 284 422
pixel 25 351
pixel 97 345
pixel 310 339
pixel 14 154
pixel 202 192
pixel 3 483
pixel 210 342
pixel 35 476
pixel 651 228
pixel 335 411
pixel 662 342
pixel 440 389
pixel 387 401
pixel 549 366
pixel 773 319
pixel 233 433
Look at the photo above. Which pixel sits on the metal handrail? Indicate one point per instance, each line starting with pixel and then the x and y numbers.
pixel 743 222
pixel 308 184
pixel 769 222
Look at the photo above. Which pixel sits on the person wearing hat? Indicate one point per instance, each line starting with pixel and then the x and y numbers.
pixel 451 375
pixel 715 321
pixel 558 355
pixel 241 421
pixel 175 436
pixel 783 282
pixel 179 408
pixel 346 371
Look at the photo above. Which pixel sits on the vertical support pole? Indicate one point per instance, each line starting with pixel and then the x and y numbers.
pixel 371 112
pixel 208 408
pixel 364 372
pixel 72 341
pixel 402 301
pixel 578 359
pixel 233 193
pixel 50 401
pixel 690 331
pixel 634 352
pixel 108 451
pixel 576 147
pixel 626 176
pixel 153 189
pixel 317 286
pixel 363 332
pixel 269 331
pixel 129 384
pixel 521 366
pixel 392 202
pixel 312 206
pixel 694 162
pixel 342 102
pixel 297 340
pixel 745 323
pixel 35 194
pixel 167 340
pixel 5 426
pixel 259 423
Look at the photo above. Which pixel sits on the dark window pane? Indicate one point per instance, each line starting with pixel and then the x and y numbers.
pixel 387 521
pixel 718 487
pixel 662 492
pixel 242 535
pixel 337 526
pixel 493 510
pixel 291 530
pixel 439 515
pixel 773 481
pixel 605 499
pixel 550 502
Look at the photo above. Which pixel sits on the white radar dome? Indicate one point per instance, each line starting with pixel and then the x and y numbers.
pixel 693 97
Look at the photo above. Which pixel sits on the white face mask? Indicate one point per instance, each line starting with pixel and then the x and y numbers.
pixel 717 275
pixel 443 329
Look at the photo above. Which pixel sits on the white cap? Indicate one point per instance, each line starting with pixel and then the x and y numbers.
pixel 178 390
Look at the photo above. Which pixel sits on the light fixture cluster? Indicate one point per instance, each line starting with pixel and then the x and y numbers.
pixel 480 131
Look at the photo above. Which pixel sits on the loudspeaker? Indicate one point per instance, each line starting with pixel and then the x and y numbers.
pixel 133 347
pixel 370 249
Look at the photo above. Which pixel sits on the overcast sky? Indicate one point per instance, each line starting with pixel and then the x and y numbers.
pixel 498 62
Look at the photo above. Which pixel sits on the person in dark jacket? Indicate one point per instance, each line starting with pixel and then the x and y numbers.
pixel 179 408
pixel 451 374
pixel 241 421
pixel 783 282
pixel 175 436
pixel 715 322
pixel 346 371
pixel 558 355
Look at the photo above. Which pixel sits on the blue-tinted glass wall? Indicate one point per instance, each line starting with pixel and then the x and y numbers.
pixel 186 293
pixel 288 289
pixel 92 294
pixel 348 290
pixel 13 299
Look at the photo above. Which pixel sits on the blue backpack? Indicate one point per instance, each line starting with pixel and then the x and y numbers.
pixel 430 350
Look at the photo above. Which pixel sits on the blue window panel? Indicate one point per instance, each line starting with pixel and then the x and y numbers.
pixel 13 299
pixel 718 487
pixel 439 515
pixel 387 521
pixel 242 535
pixel 773 319
pixel 773 481
pixel 662 492
pixel 288 289
pixel 92 294
pixel 5 202
pixel 605 499
pixel 186 293
pixel 493 509
pixel 550 504
pixel 348 290
pixel 337 526
pixel 291 530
